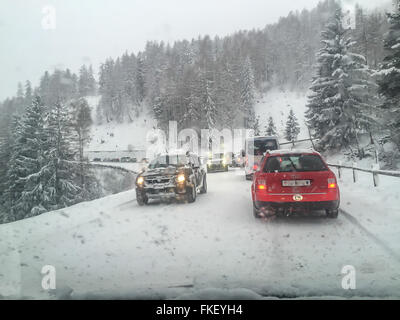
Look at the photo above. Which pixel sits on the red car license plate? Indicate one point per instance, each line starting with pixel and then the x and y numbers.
pixel 296 183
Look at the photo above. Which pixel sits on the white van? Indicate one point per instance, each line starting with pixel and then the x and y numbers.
pixel 255 148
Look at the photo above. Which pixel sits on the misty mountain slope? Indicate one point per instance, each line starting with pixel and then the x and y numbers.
pixel 121 136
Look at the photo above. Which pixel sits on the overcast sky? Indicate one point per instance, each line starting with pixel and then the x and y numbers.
pixel 89 31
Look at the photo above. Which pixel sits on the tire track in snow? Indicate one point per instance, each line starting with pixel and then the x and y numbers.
pixel 370 235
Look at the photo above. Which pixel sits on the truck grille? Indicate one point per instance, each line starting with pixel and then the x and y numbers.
pixel 158 180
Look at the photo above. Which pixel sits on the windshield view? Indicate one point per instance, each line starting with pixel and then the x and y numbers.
pixel 186 150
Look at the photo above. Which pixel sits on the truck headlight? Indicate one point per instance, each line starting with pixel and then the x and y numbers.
pixel 181 178
pixel 140 180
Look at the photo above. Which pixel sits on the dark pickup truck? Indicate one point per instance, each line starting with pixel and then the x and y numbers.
pixel 172 176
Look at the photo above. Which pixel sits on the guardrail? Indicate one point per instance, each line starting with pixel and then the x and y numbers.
pixel 99 165
pixel 298 141
pixel 103 166
pixel 375 171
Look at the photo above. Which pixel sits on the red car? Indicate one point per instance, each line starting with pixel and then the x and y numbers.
pixel 293 180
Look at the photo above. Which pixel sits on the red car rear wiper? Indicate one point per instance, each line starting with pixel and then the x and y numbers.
pixel 294 167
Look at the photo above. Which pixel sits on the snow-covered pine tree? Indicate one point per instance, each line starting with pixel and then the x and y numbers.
pixel 19 100
pixel 20 91
pixel 92 85
pixel 81 122
pixel 207 107
pixel 158 109
pixel 292 129
pixel 358 92
pixel 6 143
pixel 140 78
pixel 247 94
pixel 9 192
pixel 28 93
pixel 389 85
pixel 321 114
pixel 82 82
pixel 28 169
pixel 191 112
pixel 78 125
pixel 128 63
pixel 156 92
pixel 257 131
pixel 107 90
pixel 118 97
pixel 86 82
pixel 270 128
pixel 342 100
pixel 227 96
pixel 378 26
pixel 5 148
pixel 60 155
pixel 360 34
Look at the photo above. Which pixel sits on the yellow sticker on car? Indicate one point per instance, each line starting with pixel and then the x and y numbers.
pixel 297 197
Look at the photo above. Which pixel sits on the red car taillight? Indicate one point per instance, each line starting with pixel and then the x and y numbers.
pixel 332 183
pixel 261 185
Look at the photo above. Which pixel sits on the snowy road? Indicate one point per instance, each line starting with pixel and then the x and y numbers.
pixel 114 248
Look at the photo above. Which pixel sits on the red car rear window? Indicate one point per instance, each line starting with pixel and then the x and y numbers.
pixel 294 163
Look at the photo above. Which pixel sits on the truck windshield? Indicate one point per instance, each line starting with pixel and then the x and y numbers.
pixel 260 146
pixel 294 163
pixel 217 156
pixel 168 160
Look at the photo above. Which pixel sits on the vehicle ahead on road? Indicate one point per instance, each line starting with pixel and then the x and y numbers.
pixel 217 162
pixel 254 152
pixel 172 176
pixel 128 159
pixel 235 160
pixel 292 180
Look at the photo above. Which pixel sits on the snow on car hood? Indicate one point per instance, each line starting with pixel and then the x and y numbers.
pixel 161 171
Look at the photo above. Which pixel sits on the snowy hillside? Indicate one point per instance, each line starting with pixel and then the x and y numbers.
pixel 115 136
pixel 277 103
pixel 119 136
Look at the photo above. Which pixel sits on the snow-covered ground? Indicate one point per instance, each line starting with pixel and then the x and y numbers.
pixel 213 248
pixel 120 136
pixel 115 136
pixel 375 208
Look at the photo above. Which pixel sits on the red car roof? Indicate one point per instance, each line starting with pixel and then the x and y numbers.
pixel 284 152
